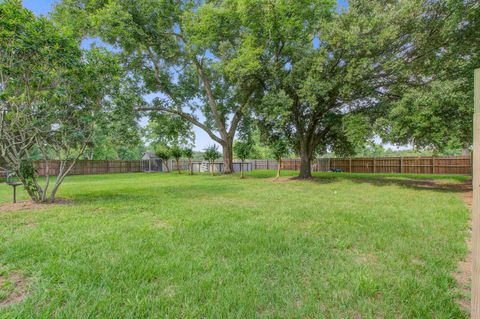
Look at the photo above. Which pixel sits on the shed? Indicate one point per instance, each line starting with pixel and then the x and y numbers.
pixel 151 163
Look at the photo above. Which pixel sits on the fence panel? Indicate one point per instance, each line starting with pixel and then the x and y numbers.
pixel 408 165
pixel 90 167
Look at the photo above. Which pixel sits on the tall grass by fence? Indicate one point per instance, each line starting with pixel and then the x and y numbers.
pixel 402 165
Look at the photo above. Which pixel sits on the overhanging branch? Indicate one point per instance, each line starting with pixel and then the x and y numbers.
pixel 187 117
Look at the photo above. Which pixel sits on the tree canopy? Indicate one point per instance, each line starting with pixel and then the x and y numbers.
pixel 196 57
pixel 344 76
pixel 317 77
pixel 437 114
pixel 53 96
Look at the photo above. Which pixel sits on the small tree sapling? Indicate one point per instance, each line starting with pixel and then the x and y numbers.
pixel 211 155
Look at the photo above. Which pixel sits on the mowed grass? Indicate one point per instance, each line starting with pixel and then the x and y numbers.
pixel 178 246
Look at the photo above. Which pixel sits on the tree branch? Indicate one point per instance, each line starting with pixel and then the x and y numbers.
pixel 187 117
pixel 211 99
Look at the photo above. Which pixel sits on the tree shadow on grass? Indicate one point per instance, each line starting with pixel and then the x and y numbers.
pixel 446 184
pixel 421 184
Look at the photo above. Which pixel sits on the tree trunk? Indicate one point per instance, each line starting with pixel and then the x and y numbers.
pixel 305 160
pixel 228 157
pixel 241 169
pixel 279 167
pixel 30 188
pixel 212 167
pixel 178 166
pixel 190 166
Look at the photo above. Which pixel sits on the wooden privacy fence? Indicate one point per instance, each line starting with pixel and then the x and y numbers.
pixel 403 165
pixel 87 167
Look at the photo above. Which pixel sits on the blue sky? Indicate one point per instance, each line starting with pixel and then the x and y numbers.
pixel 202 140
pixel 38 6
pixel 44 6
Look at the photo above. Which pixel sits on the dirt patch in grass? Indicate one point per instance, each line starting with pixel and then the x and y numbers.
pixel 18 291
pixel 463 275
pixel 286 179
pixel 368 258
pixel 161 224
pixel 31 205
pixel 283 179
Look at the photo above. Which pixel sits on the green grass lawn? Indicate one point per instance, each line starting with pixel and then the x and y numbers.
pixel 179 246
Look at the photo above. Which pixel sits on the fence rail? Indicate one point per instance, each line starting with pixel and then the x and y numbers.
pixel 404 165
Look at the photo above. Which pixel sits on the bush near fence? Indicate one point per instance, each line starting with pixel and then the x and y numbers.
pixel 401 165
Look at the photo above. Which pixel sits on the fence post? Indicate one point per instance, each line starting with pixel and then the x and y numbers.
pixel 475 300
pixel 433 164
pixel 374 165
pixel 267 164
pixel 349 164
pixel 401 165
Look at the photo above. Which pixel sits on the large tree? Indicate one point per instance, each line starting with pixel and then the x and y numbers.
pixel 50 96
pixel 333 73
pixel 437 115
pixel 201 59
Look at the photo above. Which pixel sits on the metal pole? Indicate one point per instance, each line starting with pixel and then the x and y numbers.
pixel 475 301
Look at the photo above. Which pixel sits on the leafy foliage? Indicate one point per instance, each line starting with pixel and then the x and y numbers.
pixel 437 114
pixel 279 149
pixel 211 153
pixel 242 149
pixel 176 153
pixel 188 152
pixel 332 78
pixel 51 94
pixel 168 129
pixel 164 153
pixel 196 57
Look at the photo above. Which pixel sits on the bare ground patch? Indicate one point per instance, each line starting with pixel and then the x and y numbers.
pixel 463 275
pixel 18 290
pixel 161 224
pixel 31 205
pixel 286 179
